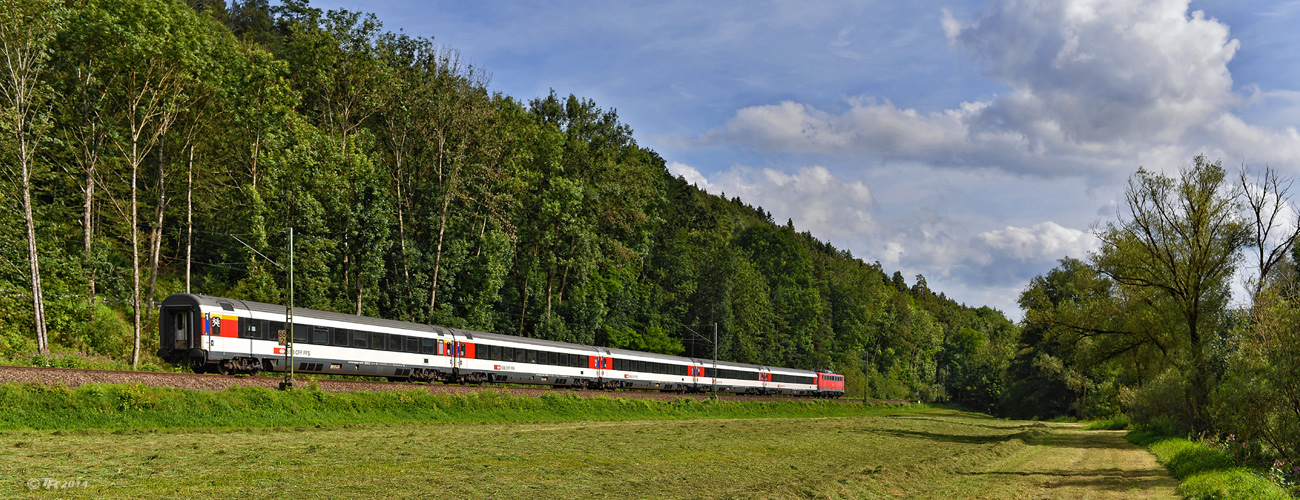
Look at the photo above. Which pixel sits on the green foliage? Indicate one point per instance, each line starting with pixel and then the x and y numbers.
pixel 415 193
pixel 1207 471
pixel 651 339
pixel 1115 424
pixel 1210 473
pixel 1260 390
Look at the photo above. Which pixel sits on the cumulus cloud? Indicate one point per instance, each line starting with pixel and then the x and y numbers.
pixel 691 175
pixel 1096 87
pixel 813 198
pixel 1044 241
pixel 947 248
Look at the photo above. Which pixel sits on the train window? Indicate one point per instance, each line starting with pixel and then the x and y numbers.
pixel 552 358
pixel 273 330
pixel 340 337
pixel 521 355
pixel 252 328
pixel 320 335
pixel 378 340
pixel 532 356
pixel 360 340
pixel 395 342
pixel 494 352
pixel 640 366
pixel 426 346
pixel 300 333
pixel 412 344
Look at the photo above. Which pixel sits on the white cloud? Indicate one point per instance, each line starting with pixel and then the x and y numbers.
pixel 1044 241
pixel 813 198
pixel 1097 87
pixel 947 248
pixel 691 175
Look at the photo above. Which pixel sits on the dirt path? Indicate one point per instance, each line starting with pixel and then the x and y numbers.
pixel 1075 463
pixel 1060 461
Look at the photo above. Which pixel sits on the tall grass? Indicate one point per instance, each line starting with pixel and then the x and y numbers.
pixel 135 406
pixel 88 360
pixel 1206 472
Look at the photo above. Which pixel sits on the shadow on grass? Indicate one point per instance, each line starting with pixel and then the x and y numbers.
pixel 1109 479
pixel 1039 435
pixel 1027 436
pixel 978 416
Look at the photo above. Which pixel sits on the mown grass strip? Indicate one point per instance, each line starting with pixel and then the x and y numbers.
pixel 136 406
pixel 1207 473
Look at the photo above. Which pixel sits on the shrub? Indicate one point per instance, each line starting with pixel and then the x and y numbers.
pixel 1162 402
pixel 1118 423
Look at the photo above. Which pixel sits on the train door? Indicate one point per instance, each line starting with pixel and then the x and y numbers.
pixel 456 350
pixel 601 359
pixel 178 329
pixel 249 329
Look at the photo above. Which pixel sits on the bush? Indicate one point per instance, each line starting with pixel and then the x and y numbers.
pixel 1115 424
pixel 108 332
pixel 1162 403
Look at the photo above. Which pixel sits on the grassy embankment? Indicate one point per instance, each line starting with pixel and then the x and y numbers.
pixel 1207 472
pixel 138 442
pixel 138 407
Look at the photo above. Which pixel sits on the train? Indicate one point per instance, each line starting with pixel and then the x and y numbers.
pixel 231 336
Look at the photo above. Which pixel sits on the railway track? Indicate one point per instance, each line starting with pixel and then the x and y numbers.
pixel 72 377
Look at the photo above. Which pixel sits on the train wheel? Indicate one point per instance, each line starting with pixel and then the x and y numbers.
pixel 224 368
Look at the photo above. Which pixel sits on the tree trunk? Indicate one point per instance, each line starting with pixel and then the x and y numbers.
pixel 155 232
pixel 564 276
pixel 523 309
pixel 135 253
pixel 33 256
pixel 189 217
pixel 437 259
pixel 88 223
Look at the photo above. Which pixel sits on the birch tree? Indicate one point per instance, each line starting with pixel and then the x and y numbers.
pixel 27 28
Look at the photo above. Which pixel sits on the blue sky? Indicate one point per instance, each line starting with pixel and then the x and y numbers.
pixel 975 143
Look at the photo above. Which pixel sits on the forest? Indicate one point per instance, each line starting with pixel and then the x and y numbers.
pixel 152 147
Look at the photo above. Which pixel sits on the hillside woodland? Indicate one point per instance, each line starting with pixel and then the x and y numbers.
pixel 152 147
